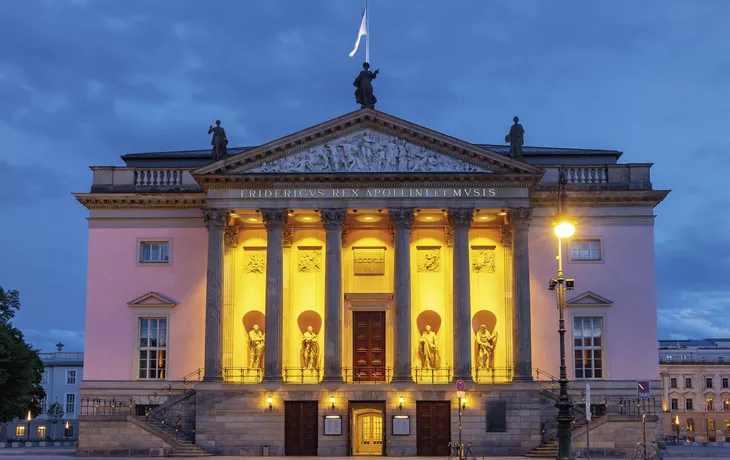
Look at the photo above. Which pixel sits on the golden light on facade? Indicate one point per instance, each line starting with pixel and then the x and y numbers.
pixel 676 420
pixel 564 229
pixel 400 402
pixel 29 417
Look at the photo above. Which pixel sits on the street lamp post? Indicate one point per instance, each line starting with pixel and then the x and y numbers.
pixel 28 419
pixel 563 229
pixel 676 423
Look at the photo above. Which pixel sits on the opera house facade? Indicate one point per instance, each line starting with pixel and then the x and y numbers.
pixel 327 293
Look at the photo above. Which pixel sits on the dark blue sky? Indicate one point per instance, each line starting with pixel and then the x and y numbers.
pixel 82 82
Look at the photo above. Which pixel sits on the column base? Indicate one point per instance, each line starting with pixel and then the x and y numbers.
pixel 523 378
pixel 273 379
pixel 402 379
pixel 212 378
pixel 466 378
pixel 332 379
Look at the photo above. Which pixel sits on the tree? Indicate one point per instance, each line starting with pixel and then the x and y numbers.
pixel 21 368
pixel 55 414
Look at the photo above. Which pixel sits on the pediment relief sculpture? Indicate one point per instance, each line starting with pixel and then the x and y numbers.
pixel 366 151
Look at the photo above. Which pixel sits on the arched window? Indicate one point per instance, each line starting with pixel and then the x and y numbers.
pixel 690 424
pixel 710 404
pixel 726 423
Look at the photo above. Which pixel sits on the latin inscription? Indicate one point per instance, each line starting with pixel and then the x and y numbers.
pixel 370 193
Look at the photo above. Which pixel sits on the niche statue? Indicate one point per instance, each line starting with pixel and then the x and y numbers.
pixel 310 349
pixel 428 348
pixel 485 344
pixel 256 348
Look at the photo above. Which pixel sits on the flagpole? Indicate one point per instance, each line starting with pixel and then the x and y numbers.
pixel 367 36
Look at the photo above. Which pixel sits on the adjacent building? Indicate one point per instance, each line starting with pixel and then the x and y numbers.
pixel 696 381
pixel 62 378
pixel 333 286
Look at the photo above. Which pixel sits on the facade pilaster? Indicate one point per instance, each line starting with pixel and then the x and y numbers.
pixel 506 236
pixel 460 221
pixel 333 220
pixel 215 221
pixel 274 220
pixel 521 218
pixel 402 221
pixel 230 237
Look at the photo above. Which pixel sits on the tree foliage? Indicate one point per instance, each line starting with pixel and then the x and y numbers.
pixel 55 412
pixel 21 368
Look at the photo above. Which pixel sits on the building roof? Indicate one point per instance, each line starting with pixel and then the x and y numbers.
pixel 694 343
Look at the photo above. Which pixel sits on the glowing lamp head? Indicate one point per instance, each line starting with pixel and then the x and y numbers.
pixel 564 229
pixel 463 401
pixel 29 417
pixel 269 400
pixel 400 400
pixel 332 400
pixel 676 420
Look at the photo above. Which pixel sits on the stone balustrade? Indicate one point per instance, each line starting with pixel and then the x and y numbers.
pixel 632 176
pixel 110 179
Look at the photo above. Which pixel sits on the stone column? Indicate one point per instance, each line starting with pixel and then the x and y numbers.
pixel 505 234
pixel 274 221
pixel 215 220
pixel 230 236
pixel 520 218
pixel 460 221
pixel 402 219
pixel 333 220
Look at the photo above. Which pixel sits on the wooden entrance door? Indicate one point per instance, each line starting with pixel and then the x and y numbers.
pixel 300 428
pixel 433 428
pixel 369 432
pixel 368 346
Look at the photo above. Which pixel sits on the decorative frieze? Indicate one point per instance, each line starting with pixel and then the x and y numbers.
pixel 428 259
pixel 483 259
pixel 254 260
pixel 309 259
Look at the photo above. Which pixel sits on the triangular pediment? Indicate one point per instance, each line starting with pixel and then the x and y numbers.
pixel 152 299
pixel 368 141
pixel 589 299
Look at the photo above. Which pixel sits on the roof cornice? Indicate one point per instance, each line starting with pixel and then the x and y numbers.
pixel 598 198
pixel 141 200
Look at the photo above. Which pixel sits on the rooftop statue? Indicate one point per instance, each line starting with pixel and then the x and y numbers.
pixel 219 141
pixel 364 84
pixel 516 138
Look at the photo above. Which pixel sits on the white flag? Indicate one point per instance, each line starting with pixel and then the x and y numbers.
pixel 363 31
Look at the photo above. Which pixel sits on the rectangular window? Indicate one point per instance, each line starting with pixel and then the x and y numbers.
pixel 69 432
pixel 688 404
pixel 708 382
pixel 70 403
pixel 588 347
pixel 45 378
pixel 673 382
pixel 675 404
pixel 70 377
pixel 152 348
pixel 44 405
pixel 724 382
pixel 41 432
pixel 726 404
pixel 688 382
pixel 19 431
pixel 154 252
pixel 585 250
pixel 710 404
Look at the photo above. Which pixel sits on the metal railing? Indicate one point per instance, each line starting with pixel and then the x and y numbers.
pixel 242 375
pixel 302 375
pixel 719 361
pixel 432 375
pixel 492 376
pixel 367 374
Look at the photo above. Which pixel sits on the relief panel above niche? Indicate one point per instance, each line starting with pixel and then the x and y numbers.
pixel 309 259
pixel 366 151
pixel 483 259
pixel 254 260
pixel 368 260
pixel 429 259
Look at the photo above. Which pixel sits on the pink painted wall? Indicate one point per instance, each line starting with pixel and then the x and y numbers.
pixel 627 277
pixel 114 278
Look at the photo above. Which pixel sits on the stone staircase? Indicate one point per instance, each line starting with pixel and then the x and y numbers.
pixel 547 449
pixel 185 448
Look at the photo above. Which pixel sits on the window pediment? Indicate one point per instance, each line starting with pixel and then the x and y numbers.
pixel 589 299
pixel 154 300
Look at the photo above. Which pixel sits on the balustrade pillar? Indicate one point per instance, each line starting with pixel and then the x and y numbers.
pixel 274 221
pixel 402 219
pixel 215 221
pixel 520 218
pixel 460 220
pixel 333 219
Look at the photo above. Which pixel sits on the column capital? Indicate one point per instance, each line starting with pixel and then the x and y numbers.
pixel 505 235
pixel 287 237
pixel 402 218
pixel 461 217
pixel 274 218
pixel 333 218
pixel 230 236
pixel 216 219
pixel 520 218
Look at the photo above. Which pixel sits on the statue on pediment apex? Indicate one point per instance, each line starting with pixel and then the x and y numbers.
pixel 515 138
pixel 364 84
